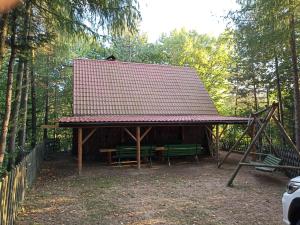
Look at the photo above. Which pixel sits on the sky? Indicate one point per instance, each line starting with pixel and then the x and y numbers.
pixel 204 16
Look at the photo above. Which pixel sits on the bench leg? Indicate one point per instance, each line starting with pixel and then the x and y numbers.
pixel 150 160
pixel 197 159
pixel 169 162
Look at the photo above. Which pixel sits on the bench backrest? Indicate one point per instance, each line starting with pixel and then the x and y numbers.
pixel 130 151
pixel 182 150
pixel 271 160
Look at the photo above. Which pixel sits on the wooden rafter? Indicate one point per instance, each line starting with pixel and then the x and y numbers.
pixel 130 134
pixel 89 135
pixel 210 131
pixel 145 133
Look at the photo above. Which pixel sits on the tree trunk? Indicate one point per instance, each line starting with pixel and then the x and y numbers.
pixel 25 56
pixel 9 87
pixel 296 79
pixel 33 108
pixel 3 35
pixel 46 108
pixel 15 115
pixel 255 96
pixel 279 96
pixel 24 106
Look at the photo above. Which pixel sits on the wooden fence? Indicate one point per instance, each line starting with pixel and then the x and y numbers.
pixel 13 185
pixel 288 155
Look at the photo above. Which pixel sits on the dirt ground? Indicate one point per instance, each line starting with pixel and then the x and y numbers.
pixel 185 193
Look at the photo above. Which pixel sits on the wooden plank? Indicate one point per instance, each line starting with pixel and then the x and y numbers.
pixel 130 134
pixel 270 166
pixel 79 150
pixel 89 135
pixel 145 133
pixel 138 147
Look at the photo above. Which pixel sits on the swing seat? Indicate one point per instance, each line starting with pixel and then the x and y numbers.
pixel 269 160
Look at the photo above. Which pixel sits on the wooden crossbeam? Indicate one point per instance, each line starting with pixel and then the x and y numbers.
pixel 145 133
pixel 89 135
pixel 130 134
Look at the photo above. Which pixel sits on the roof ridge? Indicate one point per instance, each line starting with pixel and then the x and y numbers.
pixel 137 63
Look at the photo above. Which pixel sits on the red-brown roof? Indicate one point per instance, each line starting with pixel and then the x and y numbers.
pixel 114 92
pixel 122 88
pixel 151 119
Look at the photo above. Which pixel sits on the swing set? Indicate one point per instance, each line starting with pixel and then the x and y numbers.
pixel 256 128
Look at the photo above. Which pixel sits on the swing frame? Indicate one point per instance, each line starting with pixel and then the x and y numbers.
pixel 255 120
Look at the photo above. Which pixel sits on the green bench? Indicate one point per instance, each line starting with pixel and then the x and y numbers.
pixel 129 152
pixel 269 160
pixel 182 150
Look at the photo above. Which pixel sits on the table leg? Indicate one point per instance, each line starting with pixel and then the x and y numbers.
pixel 109 157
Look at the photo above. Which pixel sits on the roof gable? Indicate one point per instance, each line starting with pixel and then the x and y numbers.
pixel 119 88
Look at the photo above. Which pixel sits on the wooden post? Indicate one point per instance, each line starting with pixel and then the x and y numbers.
pixel 138 147
pixel 253 130
pixel 217 143
pixel 266 121
pixel 236 143
pixel 79 150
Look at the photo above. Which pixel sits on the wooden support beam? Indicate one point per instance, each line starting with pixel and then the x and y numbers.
pixel 138 147
pixel 209 143
pixel 217 143
pixel 223 131
pixel 285 135
pixel 253 130
pixel 145 133
pixel 266 121
pixel 79 150
pixel 89 135
pixel 130 134
pixel 210 131
pixel 236 143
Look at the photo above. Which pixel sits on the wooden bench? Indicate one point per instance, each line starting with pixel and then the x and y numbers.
pixel 182 150
pixel 129 152
pixel 269 160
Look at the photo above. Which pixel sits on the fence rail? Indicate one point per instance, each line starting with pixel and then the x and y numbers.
pixel 13 185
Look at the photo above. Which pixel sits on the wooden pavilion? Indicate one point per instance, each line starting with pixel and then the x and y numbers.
pixel 121 103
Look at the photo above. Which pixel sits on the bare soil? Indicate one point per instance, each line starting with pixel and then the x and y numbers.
pixel 185 193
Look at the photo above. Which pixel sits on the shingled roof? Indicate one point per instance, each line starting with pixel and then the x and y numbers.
pixel 111 90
